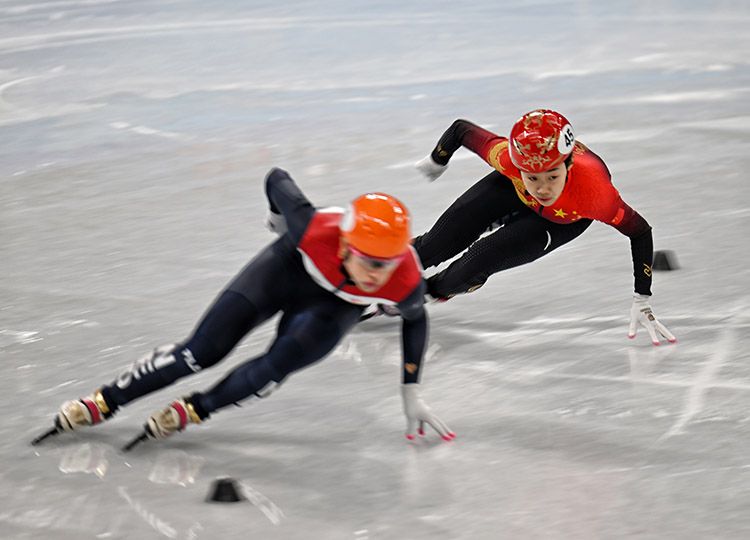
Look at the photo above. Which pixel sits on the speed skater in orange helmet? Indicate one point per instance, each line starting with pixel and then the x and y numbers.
pixel 326 266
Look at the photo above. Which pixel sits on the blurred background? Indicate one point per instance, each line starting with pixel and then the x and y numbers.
pixel 134 138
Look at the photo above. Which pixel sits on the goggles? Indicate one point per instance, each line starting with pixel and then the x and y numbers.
pixel 377 263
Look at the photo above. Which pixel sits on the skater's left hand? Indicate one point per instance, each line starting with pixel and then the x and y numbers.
pixel 641 314
pixel 417 412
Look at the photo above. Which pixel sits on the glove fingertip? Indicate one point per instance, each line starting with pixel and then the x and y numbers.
pixel 631 336
pixel 410 436
pixel 672 340
pixel 447 438
pixel 656 343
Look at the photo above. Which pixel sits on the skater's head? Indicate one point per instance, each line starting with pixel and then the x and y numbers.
pixel 375 236
pixel 541 147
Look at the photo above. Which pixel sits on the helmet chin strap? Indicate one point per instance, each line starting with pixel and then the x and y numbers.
pixel 345 253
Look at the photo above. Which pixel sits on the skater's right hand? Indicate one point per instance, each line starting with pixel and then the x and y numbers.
pixel 429 168
pixel 275 222
pixel 417 412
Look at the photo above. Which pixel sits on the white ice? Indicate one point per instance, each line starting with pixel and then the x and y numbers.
pixel 134 139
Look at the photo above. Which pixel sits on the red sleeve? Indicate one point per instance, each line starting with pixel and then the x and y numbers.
pixel 612 210
pixel 605 202
pixel 608 207
pixel 599 197
pixel 631 224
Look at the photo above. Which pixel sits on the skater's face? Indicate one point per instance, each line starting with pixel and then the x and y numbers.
pixel 368 274
pixel 546 186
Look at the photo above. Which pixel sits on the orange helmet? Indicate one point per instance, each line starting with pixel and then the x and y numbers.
pixel 377 225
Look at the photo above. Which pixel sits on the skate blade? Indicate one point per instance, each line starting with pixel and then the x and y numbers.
pixel 135 442
pixel 45 435
pixel 368 316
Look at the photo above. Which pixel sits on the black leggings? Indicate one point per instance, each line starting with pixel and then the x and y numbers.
pixel 523 236
pixel 313 322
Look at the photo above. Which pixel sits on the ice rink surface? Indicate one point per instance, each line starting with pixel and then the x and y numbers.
pixel 134 139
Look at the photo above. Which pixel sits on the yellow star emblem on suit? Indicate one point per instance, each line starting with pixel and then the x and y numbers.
pixel 560 213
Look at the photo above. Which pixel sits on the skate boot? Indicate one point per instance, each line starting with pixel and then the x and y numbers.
pixel 376 310
pixel 433 296
pixel 87 411
pixel 175 417
pixel 429 299
pixel 389 311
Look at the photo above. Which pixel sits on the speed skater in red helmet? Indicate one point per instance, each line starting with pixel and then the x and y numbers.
pixel 545 190
pixel 326 266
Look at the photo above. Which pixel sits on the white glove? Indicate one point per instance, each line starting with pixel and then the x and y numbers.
pixel 429 168
pixel 640 313
pixel 417 411
pixel 275 222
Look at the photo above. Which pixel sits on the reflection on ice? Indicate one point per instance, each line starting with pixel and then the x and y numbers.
pixel 175 467
pixel 148 514
pixel 89 458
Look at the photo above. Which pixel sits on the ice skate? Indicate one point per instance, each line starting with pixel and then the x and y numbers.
pixel 166 422
pixel 78 413
pixel 175 417
pixel 376 310
pixel 87 411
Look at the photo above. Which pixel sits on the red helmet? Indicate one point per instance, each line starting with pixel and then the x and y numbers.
pixel 540 141
pixel 377 225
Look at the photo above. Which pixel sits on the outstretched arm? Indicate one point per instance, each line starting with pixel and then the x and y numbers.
pixel 460 133
pixel 414 332
pixel 638 230
pixel 634 226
